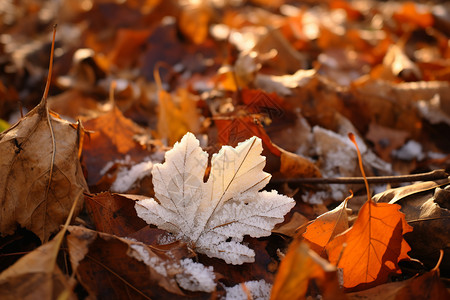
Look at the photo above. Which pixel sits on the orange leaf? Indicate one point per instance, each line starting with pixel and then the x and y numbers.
pixel 326 226
pixel 374 246
pixel 177 115
pixel 298 268
pixel 411 13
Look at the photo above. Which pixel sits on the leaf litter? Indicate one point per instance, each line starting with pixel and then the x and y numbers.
pixel 293 78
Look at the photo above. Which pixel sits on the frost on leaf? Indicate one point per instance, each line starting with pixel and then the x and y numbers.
pixel 214 216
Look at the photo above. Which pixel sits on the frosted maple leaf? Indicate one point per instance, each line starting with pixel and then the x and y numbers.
pixel 214 216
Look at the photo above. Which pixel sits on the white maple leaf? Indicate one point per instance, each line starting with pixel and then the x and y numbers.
pixel 214 216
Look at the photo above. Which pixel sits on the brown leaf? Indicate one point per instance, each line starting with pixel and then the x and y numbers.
pixel 295 166
pixel 127 46
pixel 426 208
pixel 399 64
pixel 387 291
pixel 289 228
pixel 300 266
pixel 374 246
pixel 36 275
pixel 426 286
pixel 386 139
pixel 114 214
pixel 112 139
pixel 110 267
pixel 40 174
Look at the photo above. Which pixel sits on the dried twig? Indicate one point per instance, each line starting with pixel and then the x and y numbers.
pixel 433 175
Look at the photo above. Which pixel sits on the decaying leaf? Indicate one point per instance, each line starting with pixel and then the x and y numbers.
pixel 426 209
pixel 298 268
pixel 228 206
pixel 36 275
pixel 370 250
pixel 426 286
pixel 116 268
pixel 111 139
pixel 40 172
pixel 113 213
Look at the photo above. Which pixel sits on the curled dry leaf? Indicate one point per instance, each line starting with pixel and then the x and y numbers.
pixel 213 217
pixel 326 226
pixel 426 286
pixel 116 268
pixel 36 275
pixel 111 139
pixel 298 268
pixel 426 209
pixel 40 173
pixel 370 250
pixel 113 213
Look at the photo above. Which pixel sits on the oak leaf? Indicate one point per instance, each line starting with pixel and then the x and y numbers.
pixel 374 246
pixel 40 172
pixel 213 217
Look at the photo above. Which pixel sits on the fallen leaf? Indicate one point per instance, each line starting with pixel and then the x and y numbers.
pixel 228 205
pixel 111 140
pixel 110 267
pixel 385 139
pixel 400 65
pixel 177 115
pixel 297 220
pixel 37 276
pixel 41 173
pixel 326 226
pixel 370 250
pixel 113 213
pixel 300 266
pixel 296 166
pixel 127 44
pixel 387 291
pixel 426 209
pixel 194 19
pixel 239 128
pixel 426 286
pixel 411 13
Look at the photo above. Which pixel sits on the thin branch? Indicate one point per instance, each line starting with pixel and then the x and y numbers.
pixel 429 176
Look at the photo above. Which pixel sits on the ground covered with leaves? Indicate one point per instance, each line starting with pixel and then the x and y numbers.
pixel 208 149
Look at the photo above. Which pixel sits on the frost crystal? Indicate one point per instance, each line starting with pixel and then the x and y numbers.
pixel 260 290
pixel 196 277
pixel 126 178
pixel 213 217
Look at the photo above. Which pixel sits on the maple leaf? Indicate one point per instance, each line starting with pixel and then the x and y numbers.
pixel 213 217
pixel 375 245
